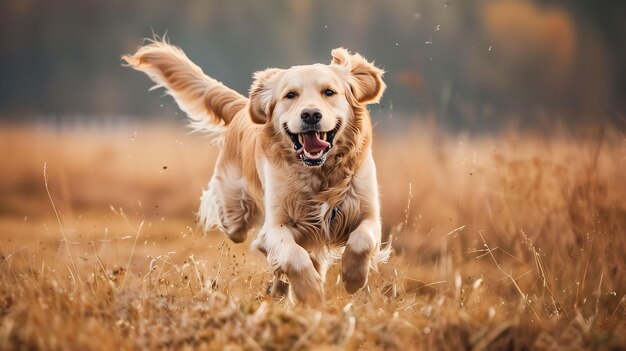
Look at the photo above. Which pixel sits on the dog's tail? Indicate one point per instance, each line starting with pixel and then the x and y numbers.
pixel 209 104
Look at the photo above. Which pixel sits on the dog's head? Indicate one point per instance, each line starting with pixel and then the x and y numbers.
pixel 309 106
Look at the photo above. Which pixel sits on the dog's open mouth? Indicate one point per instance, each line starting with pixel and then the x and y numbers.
pixel 312 146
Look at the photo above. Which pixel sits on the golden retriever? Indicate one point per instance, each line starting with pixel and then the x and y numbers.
pixel 295 160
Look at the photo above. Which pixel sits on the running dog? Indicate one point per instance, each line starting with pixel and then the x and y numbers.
pixel 295 161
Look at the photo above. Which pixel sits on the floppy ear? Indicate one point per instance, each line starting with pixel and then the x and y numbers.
pixel 261 95
pixel 365 79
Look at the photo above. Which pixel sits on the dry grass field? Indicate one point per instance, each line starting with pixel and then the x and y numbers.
pixel 507 242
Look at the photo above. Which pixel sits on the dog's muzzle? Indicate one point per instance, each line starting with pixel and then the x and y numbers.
pixel 311 144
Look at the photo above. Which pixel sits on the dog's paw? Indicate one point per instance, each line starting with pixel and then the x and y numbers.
pixel 354 269
pixel 307 285
pixel 239 235
pixel 278 288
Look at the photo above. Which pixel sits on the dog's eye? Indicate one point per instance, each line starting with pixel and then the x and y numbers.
pixel 290 95
pixel 329 92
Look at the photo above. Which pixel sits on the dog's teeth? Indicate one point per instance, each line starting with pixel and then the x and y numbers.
pixel 301 139
pixel 323 135
pixel 313 156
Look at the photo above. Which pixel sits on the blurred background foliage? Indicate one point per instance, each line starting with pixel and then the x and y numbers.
pixel 464 64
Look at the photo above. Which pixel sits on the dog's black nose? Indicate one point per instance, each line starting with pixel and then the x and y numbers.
pixel 311 115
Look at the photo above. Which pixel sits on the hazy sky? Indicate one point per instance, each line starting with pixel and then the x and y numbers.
pixel 463 62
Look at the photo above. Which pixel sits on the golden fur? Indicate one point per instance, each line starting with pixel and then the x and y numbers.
pixel 307 214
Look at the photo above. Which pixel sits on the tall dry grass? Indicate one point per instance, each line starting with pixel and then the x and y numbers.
pixel 513 241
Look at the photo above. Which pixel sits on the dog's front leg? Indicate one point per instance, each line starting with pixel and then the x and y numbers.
pixel 285 255
pixel 364 242
pixel 357 256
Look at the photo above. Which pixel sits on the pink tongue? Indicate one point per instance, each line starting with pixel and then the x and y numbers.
pixel 313 144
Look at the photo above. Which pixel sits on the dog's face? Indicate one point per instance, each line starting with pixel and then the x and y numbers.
pixel 309 105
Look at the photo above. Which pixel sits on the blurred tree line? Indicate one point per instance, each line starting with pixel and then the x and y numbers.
pixel 465 63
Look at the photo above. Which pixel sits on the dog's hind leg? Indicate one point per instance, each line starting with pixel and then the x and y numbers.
pixel 226 205
pixel 321 261
pixel 279 287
